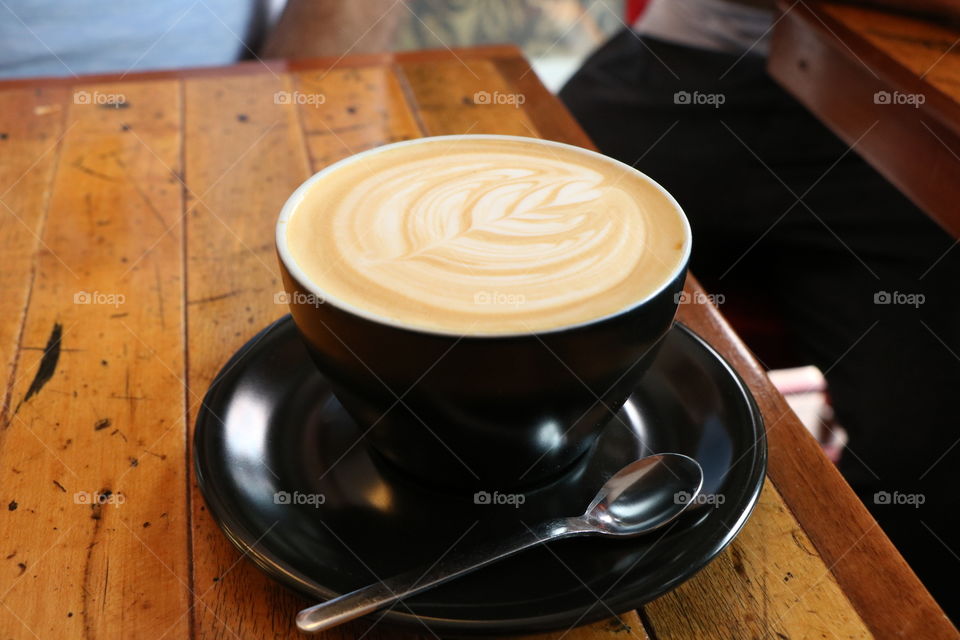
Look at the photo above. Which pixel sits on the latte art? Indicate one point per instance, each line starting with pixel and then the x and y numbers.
pixel 486 235
pixel 513 230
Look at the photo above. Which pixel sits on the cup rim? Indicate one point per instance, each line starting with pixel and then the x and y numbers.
pixel 292 203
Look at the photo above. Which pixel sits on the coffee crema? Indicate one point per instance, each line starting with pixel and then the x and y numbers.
pixel 485 235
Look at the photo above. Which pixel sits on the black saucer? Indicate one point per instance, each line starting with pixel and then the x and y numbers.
pixel 269 424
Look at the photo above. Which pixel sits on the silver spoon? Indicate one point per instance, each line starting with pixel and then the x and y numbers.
pixel 643 496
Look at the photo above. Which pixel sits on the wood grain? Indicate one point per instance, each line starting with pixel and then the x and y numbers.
pixel 244 156
pixel 96 406
pixel 234 196
pixel 770 583
pixel 345 111
pixel 466 96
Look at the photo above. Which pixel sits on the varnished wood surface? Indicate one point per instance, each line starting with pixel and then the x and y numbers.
pixel 888 84
pixel 169 203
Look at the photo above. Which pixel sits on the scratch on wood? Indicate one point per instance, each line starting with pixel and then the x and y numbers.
pixel 736 557
pixel 106 581
pixel 800 543
pixel 617 625
pixel 156 275
pixel 96 174
pixel 222 296
pixel 60 486
pixel 140 192
pixel 48 364
pixel 126 388
pixel 114 396
pixel 87 573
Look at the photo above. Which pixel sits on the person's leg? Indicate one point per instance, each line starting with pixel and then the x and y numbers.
pixel 876 310
pixel 781 206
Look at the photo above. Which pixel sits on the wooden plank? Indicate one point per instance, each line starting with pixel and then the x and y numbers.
pixel 466 96
pixel 31 124
pixel 769 583
pixel 345 111
pixel 243 156
pixel 97 401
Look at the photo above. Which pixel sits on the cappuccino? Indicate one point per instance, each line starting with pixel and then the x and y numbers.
pixel 484 235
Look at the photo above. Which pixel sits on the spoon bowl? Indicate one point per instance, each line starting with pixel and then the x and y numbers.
pixel 645 495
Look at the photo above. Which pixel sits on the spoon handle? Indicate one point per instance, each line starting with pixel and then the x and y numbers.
pixel 386 592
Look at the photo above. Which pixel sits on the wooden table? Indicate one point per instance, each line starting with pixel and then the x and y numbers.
pixel 888 84
pixel 138 255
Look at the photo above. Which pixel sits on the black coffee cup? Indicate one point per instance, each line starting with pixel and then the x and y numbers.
pixel 478 411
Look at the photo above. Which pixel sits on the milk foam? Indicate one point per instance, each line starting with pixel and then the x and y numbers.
pixel 486 235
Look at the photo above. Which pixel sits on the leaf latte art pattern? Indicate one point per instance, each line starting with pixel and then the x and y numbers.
pixel 481 237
